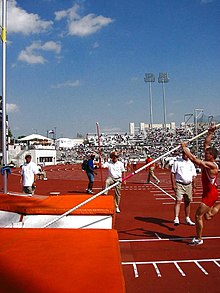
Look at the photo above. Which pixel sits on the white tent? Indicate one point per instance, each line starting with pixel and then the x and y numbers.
pixel 35 137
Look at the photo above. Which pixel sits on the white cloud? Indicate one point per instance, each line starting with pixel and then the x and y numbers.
pixel 29 54
pixel 31 58
pixel 88 25
pixel 82 26
pixel 20 21
pixel 75 83
pixel 51 46
pixel 71 13
pixel 11 108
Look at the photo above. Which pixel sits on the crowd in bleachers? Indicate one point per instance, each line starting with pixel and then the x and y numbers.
pixel 135 148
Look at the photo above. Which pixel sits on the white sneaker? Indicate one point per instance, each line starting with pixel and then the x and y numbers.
pixel 196 242
pixel 158 181
pixel 118 210
pixel 189 222
pixel 89 191
pixel 176 222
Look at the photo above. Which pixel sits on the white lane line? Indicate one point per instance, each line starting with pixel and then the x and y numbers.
pixel 157 269
pixel 179 269
pixel 216 263
pixel 192 202
pixel 164 239
pixel 159 198
pixel 136 275
pixel 157 236
pixel 201 268
pixel 156 263
pixel 162 190
pixel 171 261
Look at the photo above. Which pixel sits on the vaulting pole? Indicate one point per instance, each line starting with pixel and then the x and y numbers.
pixel 124 179
pixel 3 38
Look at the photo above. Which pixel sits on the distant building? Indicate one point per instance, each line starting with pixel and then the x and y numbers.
pixel 131 128
pixel 142 127
pixel 68 143
pixel 41 149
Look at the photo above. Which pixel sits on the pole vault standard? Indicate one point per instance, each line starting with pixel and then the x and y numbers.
pixel 99 150
pixel 124 179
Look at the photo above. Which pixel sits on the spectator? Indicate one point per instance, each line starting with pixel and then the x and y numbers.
pixel 116 172
pixel 29 171
pixel 150 170
pixel 90 173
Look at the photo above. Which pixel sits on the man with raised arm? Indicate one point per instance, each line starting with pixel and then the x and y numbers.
pixel 209 169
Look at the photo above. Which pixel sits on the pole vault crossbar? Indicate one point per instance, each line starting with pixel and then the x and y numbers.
pixel 124 179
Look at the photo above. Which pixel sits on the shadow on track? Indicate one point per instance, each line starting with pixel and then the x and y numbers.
pixel 157 221
pixel 77 191
pixel 140 232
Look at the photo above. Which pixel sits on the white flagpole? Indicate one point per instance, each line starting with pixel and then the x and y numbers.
pixel 99 151
pixel 3 37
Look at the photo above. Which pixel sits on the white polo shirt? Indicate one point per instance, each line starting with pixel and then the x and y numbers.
pixel 27 172
pixel 114 169
pixel 184 171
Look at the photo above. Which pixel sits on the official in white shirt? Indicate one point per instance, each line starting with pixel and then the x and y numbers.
pixel 116 172
pixel 183 174
pixel 29 171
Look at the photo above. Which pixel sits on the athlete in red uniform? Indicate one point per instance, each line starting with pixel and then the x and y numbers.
pixel 209 168
pixel 210 188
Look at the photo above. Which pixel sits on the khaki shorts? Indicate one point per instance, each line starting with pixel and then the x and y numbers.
pixel 184 191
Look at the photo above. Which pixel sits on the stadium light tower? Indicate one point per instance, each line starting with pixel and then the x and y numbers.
pixel 187 118
pixel 149 77
pixel 163 78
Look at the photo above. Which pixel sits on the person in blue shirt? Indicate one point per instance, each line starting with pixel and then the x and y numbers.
pixel 90 173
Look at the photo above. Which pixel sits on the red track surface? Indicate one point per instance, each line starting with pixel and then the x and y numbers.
pixel 155 254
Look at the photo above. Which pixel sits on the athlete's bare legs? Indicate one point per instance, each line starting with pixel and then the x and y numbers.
pixel 212 211
pixel 202 209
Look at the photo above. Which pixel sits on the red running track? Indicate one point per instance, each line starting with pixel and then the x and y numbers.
pixel 155 254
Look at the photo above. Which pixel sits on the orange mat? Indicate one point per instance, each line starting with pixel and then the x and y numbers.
pixel 57 205
pixel 60 260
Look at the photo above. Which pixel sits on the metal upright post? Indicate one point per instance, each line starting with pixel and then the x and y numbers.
pixel 163 78
pixel 149 77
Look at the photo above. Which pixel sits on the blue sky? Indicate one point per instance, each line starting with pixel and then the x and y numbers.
pixel 71 64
